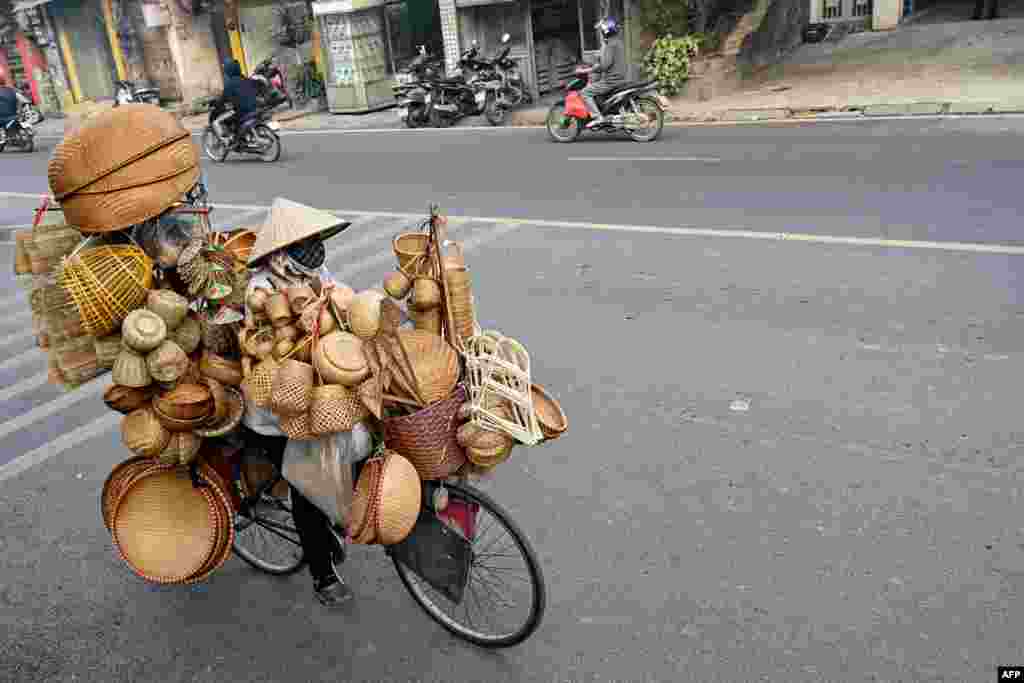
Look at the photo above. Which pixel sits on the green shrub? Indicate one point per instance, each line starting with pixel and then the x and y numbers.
pixel 668 60
pixel 662 17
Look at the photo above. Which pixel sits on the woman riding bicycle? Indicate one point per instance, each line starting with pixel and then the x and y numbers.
pixel 290 246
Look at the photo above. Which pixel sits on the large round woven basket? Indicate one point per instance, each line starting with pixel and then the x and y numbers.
pixel 164 528
pixel 225 522
pixel 387 500
pixel 124 166
pixel 434 362
pixel 115 482
pixel 427 438
pixel 106 284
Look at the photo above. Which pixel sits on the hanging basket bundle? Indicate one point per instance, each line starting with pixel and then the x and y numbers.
pixel 107 283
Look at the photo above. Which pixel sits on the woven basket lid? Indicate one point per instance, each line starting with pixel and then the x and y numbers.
pixel 165 529
pixel 289 222
pixel 115 480
pixel 434 362
pixel 400 500
pixel 124 166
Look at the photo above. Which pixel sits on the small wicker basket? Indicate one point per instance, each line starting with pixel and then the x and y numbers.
pixel 292 388
pixel 107 283
pixel 297 427
pixel 143 434
pixel 335 408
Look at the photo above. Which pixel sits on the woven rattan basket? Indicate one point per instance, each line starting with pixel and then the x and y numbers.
pixel 107 283
pixel 220 397
pixel 122 167
pixel 172 424
pixel 22 259
pixel 427 438
pixel 550 416
pixel 187 335
pixel 169 305
pixel 339 359
pixel 143 434
pixel 411 250
pixel 107 350
pixel 387 501
pixel 258 386
pixel 167 362
pixel 235 413
pixel 225 522
pixel 125 399
pixel 115 482
pixel 164 528
pixel 292 388
pixel 143 330
pixel 182 449
pixel 186 402
pixel 222 369
pixel 335 408
pixel 297 427
pixel 434 362
pixel 130 369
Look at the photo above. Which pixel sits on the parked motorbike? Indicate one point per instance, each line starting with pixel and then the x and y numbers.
pixel 270 84
pixel 413 90
pixel 127 92
pixel 634 108
pixel 503 85
pixel 18 134
pixel 28 112
pixel 258 137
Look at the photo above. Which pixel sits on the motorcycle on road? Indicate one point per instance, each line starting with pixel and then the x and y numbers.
pixel 636 109
pixel 18 134
pixel 413 90
pixel 270 84
pixel 127 92
pixel 504 86
pixel 258 137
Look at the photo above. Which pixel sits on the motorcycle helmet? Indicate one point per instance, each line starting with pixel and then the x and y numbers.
pixel 607 26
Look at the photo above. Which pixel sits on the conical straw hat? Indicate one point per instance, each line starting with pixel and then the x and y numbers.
pixel 289 222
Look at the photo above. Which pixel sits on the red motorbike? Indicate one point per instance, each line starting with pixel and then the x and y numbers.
pixel 636 109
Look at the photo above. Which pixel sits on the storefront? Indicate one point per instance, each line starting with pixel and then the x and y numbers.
pixel 82 27
pixel 549 37
pixel 358 61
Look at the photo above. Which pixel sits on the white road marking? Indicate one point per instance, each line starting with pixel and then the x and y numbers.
pixel 24 385
pixel 682 231
pixel 8 300
pixel 59 445
pixel 88 390
pixel 35 353
pixel 707 160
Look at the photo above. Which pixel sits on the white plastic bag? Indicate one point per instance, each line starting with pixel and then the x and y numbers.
pixel 321 470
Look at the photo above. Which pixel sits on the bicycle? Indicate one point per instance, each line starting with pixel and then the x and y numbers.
pixel 265 506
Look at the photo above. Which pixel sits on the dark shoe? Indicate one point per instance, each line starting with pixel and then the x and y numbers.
pixel 333 592
pixel 338 550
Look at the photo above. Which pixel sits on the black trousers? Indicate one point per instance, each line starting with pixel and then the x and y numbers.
pixel 313 525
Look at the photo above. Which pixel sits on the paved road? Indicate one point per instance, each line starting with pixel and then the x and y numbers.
pixel 787 461
pixel 938 180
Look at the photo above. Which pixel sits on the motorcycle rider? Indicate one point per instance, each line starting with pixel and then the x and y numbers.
pixel 8 105
pixel 609 72
pixel 241 93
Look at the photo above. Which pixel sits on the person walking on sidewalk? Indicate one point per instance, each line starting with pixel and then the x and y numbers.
pixel 609 73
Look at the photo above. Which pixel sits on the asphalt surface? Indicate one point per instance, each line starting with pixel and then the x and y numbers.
pixel 787 461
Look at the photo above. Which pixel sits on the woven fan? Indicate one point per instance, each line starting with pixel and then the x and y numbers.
pixel 498 370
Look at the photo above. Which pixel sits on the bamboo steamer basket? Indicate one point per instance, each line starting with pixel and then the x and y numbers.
pixel 186 402
pixel 169 305
pixel 107 350
pixel 130 369
pixel 167 362
pixel 143 330
pixel 182 449
pixel 292 388
pixel 461 302
pixel 125 399
pixel 122 167
pixel 164 528
pixel 187 335
pixel 335 408
pixel 143 434
pixel 22 259
pixel 339 359
pixel 364 313
pixel 115 482
pixel 259 385
pixel 434 362
pixel 387 500
pixel 550 416
pixel 107 283
pixel 223 370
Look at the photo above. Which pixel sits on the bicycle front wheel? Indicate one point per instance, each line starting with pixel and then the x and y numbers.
pixel 266 537
pixel 505 596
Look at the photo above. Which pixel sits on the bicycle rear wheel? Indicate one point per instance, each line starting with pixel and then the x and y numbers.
pixel 266 537
pixel 503 566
